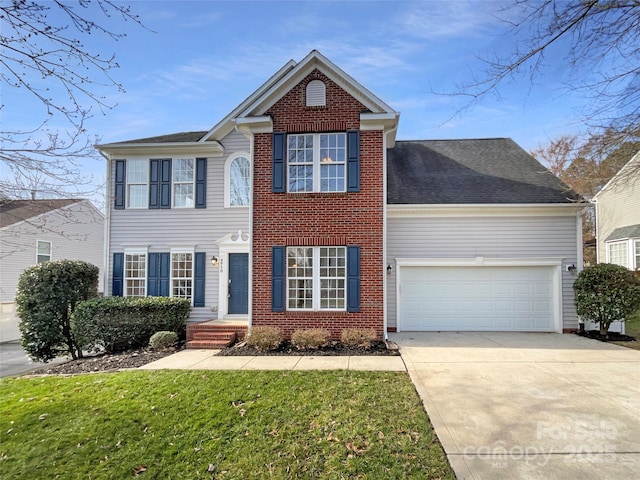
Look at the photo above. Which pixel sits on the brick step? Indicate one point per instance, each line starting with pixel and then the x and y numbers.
pixel 222 336
pixel 208 344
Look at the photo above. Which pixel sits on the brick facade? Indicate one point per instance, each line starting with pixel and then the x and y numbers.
pixel 319 219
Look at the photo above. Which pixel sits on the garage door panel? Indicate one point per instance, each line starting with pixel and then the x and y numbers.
pixel 476 298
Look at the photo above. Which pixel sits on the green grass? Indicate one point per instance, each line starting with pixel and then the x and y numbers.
pixel 632 325
pixel 222 425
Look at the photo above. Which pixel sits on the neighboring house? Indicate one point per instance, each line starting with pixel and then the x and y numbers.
pixel 312 215
pixel 618 217
pixel 35 231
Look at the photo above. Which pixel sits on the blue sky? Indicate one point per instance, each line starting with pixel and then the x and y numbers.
pixel 199 59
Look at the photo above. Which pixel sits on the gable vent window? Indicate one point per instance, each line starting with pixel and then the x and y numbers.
pixel 316 94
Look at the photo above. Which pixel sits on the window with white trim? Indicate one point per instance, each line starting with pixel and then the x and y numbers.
pixel 135 274
pixel 316 278
pixel 618 253
pixel 316 162
pixel 43 251
pixel 182 274
pixel 637 254
pixel 239 181
pixel 183 176
pixel 137 183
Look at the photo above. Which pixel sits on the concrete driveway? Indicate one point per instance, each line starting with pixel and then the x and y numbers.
pixel 15 361
pixel 529 405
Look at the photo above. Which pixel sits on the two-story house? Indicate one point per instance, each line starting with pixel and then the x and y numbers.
pixel 299 209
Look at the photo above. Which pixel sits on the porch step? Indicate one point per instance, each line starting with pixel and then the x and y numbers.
pixel 207 335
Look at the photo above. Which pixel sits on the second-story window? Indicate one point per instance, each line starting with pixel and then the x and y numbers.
pixel 183 175
pixel 316 162
pixel 137 183
pixel 239 182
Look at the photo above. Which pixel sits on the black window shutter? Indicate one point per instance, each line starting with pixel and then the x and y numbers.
pixel 201 182
pixel 119 194
pixel 118 275
pixel 353 161
pixel 154 183
pixel 199 275
pixel 277 278
pixel 165 183
pixel 158 274
pixel 279 170
pixel 353 279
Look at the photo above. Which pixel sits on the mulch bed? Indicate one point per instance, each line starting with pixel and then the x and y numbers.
pixel 333 349
pixel 611 337
pixel 106 362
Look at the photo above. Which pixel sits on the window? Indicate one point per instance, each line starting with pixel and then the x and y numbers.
pixel 181 274
pixel 316 278
pixel 316 162
pixel 137 183
pixel 239 176
pixel 182 175
pixel 43 251
pixel 135 274
pixel 617 253
pixel 637 248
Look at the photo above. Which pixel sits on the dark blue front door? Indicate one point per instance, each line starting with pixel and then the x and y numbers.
pixel 238 283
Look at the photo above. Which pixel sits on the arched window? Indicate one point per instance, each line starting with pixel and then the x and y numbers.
pixel 316 94
pixel 239 178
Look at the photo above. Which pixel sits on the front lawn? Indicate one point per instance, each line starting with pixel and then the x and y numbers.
pixel 227 425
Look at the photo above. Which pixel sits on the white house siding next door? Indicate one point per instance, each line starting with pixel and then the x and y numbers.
pixel 478 298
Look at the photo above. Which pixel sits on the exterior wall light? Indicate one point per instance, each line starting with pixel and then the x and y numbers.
pixel 389 269
pixel 215 261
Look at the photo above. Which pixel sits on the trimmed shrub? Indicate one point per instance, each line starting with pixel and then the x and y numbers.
pixel 310 339
pixel 358 337
pixel 162 340
pixel 606 293
pixel 264 338
pixel 46 297
pixel 121 323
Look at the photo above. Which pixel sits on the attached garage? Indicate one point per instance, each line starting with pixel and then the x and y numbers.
pixel 484 297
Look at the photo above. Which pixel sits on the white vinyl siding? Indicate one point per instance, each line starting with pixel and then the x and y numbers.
pixel 465 237
pixel 165 229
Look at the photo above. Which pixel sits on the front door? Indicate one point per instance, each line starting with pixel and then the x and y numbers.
pixel 238 283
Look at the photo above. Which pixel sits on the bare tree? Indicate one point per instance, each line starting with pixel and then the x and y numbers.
pixel 43 54
pixel 600 40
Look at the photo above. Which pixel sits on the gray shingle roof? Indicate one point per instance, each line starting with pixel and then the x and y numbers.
pixel 630 231
pixel 474 171
pixel 170 138
pixel 14 211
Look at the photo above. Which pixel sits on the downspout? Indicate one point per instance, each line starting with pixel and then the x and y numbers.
pixel 597 236
pixel 384 230
pixel 107 226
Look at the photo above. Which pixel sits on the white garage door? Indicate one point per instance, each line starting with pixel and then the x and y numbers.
pixel 476 299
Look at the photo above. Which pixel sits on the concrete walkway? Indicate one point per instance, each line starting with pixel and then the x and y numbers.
pixel 527 405
pixel 206 360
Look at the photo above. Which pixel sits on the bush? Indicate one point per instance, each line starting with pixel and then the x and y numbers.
pixel 164 339
pixel 606 293
pixel 46 297
pixel 358 337
pixel 264 338
pixel 120 323
pixel 310 339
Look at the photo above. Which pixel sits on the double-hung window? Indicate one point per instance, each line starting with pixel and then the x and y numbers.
pixel 183 174
pixel 316 278
pixel 43 251
pixel 182 274
pixel 137 183
pixel 618 253
pixel 316 162
pixel 135 274
pixel 637 254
